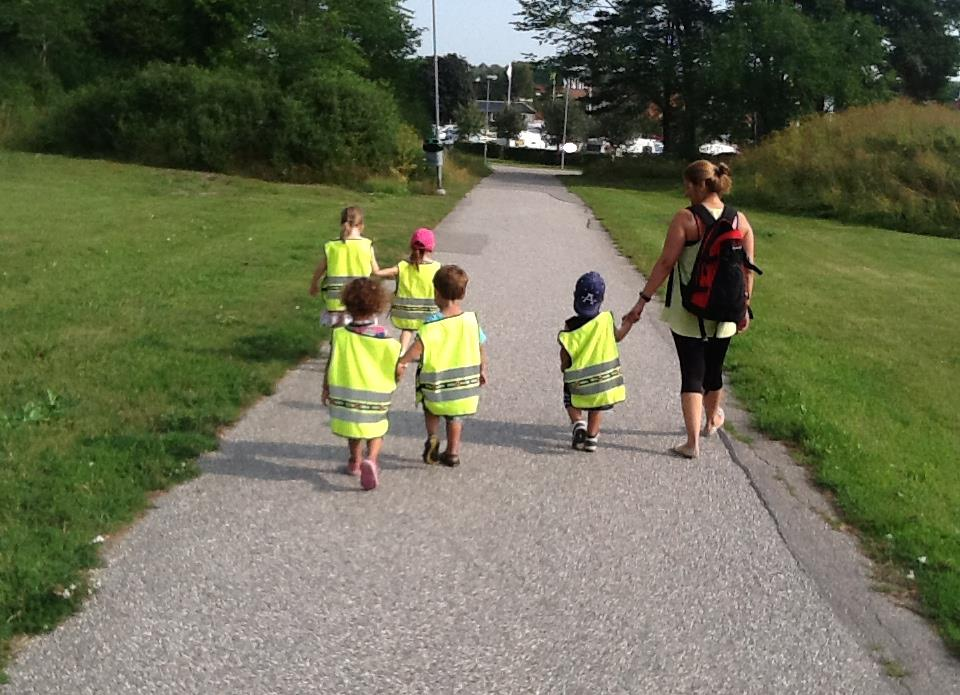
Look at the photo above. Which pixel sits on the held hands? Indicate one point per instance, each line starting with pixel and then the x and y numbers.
pixel 744 323
pixel 401 368
pixel 634 314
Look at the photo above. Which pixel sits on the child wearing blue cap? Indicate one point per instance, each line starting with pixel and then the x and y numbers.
pixel 590 360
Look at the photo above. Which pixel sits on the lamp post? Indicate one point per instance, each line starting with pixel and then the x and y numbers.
pixel 486 113
pixel 436 97
pixel 566 109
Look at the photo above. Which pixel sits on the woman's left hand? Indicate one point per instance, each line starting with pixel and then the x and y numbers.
pixel 744 323
pixel 634 314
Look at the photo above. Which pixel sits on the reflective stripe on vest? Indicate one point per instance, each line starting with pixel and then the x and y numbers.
pixel 594 377
pixel 449 378
pixel 347 260
pixel 414 298
pixel 361 381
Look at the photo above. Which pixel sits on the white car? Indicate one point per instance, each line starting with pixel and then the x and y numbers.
pixel 644 146
pixel 532 139
pixel 719 147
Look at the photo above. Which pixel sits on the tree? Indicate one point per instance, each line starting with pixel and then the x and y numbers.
pixel 771 64
pixel 456 84
pixel 634 53
pixel 509 123
pixel 470 120
pixel 522 80
pixel 922 36
pixel 577 122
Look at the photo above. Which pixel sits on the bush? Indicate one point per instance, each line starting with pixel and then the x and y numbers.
pixel 166 115
pixel 894 165
pixel 326 126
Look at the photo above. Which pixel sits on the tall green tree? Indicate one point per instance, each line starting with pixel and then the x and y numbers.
pixel 634 52
pixel 771 63
pixel 509 123
pixel 924 48
pixel 522 80
pixel 456 84
pixel 577 121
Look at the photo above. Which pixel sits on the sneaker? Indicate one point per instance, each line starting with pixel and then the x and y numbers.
pixel 353 468
pixel 369 475
pixel 430 449
pixel 579 434
pixel 590 443
pixel 449 460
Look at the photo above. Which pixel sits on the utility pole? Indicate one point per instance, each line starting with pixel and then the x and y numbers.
pixel 566 109
pixel 436 97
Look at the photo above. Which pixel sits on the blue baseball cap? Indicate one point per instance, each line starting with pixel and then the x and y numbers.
pixel 588 295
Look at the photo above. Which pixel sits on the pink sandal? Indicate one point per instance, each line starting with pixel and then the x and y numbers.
pixel 369 475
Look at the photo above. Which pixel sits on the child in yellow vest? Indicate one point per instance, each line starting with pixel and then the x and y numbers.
pixel 359 379
pixel 450 346
pixel 413 301
pixel 344 259
pixel 590 360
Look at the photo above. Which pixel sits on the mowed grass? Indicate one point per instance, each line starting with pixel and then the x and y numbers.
pixel 140 311
pixel 854 356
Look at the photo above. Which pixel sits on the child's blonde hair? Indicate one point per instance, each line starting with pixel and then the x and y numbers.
pixel 350 218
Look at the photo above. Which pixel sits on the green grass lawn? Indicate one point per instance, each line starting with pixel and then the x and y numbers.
pixel 140 311
pixel 855 357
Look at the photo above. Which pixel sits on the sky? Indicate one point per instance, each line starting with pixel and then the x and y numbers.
pixel 479 30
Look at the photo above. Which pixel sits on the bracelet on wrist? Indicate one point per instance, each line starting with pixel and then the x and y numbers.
pixel 645 297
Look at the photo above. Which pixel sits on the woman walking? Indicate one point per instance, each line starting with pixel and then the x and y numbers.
pixel 701 342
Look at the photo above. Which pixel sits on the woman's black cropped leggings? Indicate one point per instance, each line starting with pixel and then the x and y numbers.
pixel 701 363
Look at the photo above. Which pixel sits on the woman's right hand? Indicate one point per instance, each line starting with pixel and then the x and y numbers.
pixel 744 323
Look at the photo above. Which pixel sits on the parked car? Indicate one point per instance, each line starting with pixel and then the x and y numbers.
pixel 643 146
pixel 716 147
pixel 532 139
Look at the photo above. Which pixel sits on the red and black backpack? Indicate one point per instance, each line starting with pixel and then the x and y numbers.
pixel 717 287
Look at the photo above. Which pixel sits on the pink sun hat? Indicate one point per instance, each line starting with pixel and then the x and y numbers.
pixel 423 238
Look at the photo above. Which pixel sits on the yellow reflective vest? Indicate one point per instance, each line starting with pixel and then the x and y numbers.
pixel 413 301
pixel 594 377
pixel 361 378
pixel 347 259
pixel 449 376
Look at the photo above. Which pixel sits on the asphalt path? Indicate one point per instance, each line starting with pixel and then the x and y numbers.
pixel 531 568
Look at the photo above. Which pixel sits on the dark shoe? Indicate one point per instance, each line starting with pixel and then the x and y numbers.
pixel 449 460
pixel 590 443
pixel 430 449
pixel 579 434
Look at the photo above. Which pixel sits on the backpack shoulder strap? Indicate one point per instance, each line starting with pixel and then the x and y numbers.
pixel 730 214
pixel 703 217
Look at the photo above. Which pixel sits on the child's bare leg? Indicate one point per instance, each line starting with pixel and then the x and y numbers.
pixel 454 431
pixel 406 337
pixel 575 414
pixel 373 448
pixel 593 422
pixel 432 423
pixel 356 455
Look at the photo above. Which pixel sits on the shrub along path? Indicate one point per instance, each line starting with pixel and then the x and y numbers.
pixel 528 568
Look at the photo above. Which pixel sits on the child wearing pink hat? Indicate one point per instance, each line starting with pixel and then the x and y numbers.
pixel 413 300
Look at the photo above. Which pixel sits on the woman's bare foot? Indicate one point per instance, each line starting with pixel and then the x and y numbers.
pixel 711 427
pixel 686 451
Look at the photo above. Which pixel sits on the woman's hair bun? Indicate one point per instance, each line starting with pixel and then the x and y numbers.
pixel 723 169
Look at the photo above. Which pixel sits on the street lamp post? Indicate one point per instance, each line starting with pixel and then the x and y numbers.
pixel 486 113
pixel 436 97
pixel 566 109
